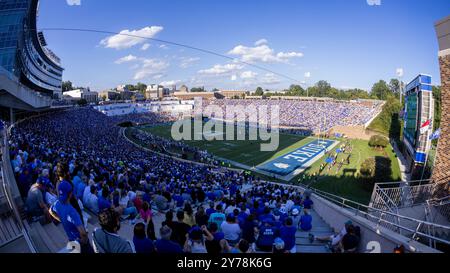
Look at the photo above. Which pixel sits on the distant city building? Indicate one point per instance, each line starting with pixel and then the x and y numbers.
pixel 184 89
pixel 122 88
pixel 231 94
pixel 109 95
pixel 139 96
pixel 82 93
pixel 193 95
pixel 154 92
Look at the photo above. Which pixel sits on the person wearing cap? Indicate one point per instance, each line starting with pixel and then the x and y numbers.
pixel 70 218
pixel 195 240
pixel 279 246
pixel 35 203
pixel 106 239
pixel 165 244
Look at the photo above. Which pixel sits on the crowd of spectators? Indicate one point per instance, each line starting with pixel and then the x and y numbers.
pixel 72 161
pixel 315 116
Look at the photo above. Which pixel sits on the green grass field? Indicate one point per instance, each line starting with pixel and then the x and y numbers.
pixel 245 152
pixel 343 182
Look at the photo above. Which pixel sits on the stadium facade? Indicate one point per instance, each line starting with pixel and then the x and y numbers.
pixel 25 58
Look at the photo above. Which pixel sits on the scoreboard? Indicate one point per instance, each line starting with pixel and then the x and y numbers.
pixel 419 109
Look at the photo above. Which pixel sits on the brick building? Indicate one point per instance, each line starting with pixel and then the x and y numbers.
pixel 441 172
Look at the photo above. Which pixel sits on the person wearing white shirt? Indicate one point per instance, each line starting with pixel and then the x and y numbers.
pixel 231 230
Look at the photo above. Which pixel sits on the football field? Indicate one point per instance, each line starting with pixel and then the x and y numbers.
pixel 246 152
pixel 341 178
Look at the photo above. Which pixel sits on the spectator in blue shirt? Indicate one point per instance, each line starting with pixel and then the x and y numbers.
pixel 211 209
pixel 267 235
pixel 306 221
pixel 307 204
pixel 70 218
pixel 142 244
pixel 287 233
pixel 103 202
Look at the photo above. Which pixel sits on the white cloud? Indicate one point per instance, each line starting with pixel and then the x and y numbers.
pixel 73 2
pixel 308 75
pixel 248 75
pixel 126 59
pixel 219 70
pixel 234 77
pixel 170 83
pixel 261 42
pixel 288 55
pixel 126 38
pixel 188 62
pixel 163 47
pixel 373 2
pixel 145 47
pixel 262 53
pixel 146 68
pixel 270 78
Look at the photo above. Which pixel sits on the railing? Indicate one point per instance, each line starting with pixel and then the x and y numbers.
pixel 6 182
pixel 384 218
pixel 401 194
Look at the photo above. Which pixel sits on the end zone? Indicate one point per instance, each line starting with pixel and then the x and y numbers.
pixel 293 163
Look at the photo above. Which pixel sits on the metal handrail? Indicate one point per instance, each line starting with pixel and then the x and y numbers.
pixel 408 183
pixel 418 222
pixel 345 203
pixel 6 182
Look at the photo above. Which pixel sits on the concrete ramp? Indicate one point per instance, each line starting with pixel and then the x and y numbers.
pixel 13 94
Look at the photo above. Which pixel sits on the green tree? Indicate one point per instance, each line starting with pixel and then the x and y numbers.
pixel 259 91
pixel 82 102
pixel 67 86
pixel 395 85
pixel 141 87
pixel 437 107
pixel 323 88
pixel 198 89
pixel 380 90
pixel 378 142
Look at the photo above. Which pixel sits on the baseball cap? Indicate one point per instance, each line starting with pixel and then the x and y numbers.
pixel 295 212
pixel 279 244
pixel 196 234
pixel 64 189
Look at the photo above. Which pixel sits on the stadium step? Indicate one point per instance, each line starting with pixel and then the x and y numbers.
pixel 319 228
pixel 48 238
pixel 312 249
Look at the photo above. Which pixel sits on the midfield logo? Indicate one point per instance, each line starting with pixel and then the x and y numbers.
pixel 281 165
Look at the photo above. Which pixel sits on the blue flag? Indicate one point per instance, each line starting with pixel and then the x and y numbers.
pixel 436 134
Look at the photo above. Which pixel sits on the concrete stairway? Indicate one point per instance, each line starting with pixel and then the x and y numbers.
pixel 9 230
pixel 320 228
pixel 48 238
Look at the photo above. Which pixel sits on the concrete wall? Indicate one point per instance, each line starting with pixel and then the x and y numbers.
pixel 336 217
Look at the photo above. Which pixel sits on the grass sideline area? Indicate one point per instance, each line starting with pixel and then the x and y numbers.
pixel 343 182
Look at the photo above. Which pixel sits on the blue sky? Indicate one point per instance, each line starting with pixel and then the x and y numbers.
pixel 349 43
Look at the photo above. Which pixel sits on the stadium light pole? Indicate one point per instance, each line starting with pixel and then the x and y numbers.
pixel 400 73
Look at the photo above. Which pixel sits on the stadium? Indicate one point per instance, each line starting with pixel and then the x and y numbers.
pixel 215 172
